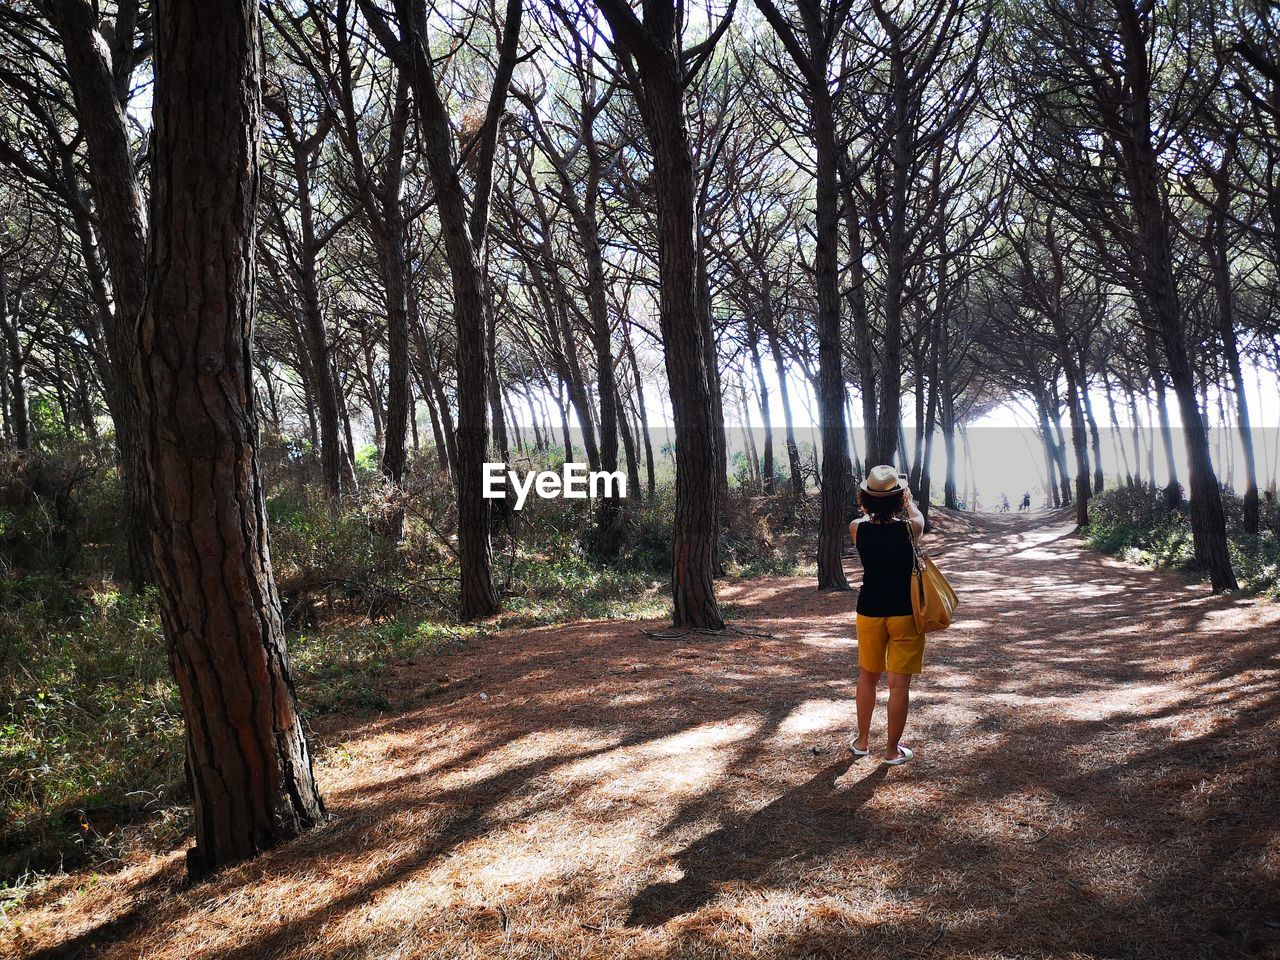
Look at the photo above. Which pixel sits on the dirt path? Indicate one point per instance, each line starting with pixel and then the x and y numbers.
pixel 1096 776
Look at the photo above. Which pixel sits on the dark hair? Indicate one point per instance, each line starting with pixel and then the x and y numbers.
pixel 880 508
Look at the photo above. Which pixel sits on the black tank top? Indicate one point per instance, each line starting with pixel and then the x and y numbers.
pixel 887 562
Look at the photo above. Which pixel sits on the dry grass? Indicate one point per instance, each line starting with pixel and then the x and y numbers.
pixel 1096 776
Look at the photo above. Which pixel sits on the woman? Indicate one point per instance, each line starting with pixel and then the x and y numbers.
pixel 888 640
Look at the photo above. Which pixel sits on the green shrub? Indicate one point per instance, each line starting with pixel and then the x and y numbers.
pixel 1139 524
pixel 90 725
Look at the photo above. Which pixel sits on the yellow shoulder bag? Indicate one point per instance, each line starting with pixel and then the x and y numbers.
pixel 933 601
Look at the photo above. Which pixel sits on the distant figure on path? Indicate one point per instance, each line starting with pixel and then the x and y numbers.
pixel 1026 502
pixel 1004 503
pixel 887 636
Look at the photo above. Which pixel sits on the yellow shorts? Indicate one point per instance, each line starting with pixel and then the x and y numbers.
pixel 890 643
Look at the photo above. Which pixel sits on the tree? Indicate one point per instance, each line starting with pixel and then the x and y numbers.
pixel 247 755
pixel 659 69
pixel 464 234
pixel 820 26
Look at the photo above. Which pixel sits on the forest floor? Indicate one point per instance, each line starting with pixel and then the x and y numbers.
pixel 1096 775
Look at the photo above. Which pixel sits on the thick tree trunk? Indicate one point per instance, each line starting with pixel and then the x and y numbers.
pixel 247 755
pixel 685 331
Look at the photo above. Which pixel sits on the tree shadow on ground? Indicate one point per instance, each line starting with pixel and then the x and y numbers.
pixel 1095 774
pixel 804 824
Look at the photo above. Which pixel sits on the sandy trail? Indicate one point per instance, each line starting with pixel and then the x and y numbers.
pixel 1095 776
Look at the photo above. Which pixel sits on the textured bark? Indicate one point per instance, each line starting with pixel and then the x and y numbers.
pixel 247 755
pixel 655 45
pixel 390 229
pixel 1154 242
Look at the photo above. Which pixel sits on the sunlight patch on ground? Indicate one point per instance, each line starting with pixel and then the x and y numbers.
pixel 815 716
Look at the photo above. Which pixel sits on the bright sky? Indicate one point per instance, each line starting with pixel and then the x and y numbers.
pixel 1006 452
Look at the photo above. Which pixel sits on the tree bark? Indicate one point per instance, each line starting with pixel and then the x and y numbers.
pixel 247 755
pixel 655 45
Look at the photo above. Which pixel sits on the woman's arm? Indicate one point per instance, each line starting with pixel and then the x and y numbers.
pixel 914 516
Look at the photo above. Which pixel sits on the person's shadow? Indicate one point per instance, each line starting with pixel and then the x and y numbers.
pixel 801 826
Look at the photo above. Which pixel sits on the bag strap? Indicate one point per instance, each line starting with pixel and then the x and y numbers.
pixel 915 546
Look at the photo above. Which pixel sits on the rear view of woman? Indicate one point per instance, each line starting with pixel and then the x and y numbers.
pixel 888 641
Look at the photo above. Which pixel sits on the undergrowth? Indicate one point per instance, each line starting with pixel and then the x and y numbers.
pixel 1139 524
pixel 90 721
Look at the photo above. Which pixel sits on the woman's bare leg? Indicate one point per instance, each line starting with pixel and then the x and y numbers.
pixel 867 682
pixel 899 703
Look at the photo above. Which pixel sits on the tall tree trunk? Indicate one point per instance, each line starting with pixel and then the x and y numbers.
pixel 1173 489
pixel 478 597
pixel 19 415
pixel 1208 521
pixel 1117 434
pixel 640 409
pixel 1095 438
pixel 247 756
pixel 118 202
pixel 949 445
pixel 684 323
pixel 335 454
pixel 863 351
pixel 890 415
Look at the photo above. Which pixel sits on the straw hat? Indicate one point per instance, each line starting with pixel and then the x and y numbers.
pixel 883 481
